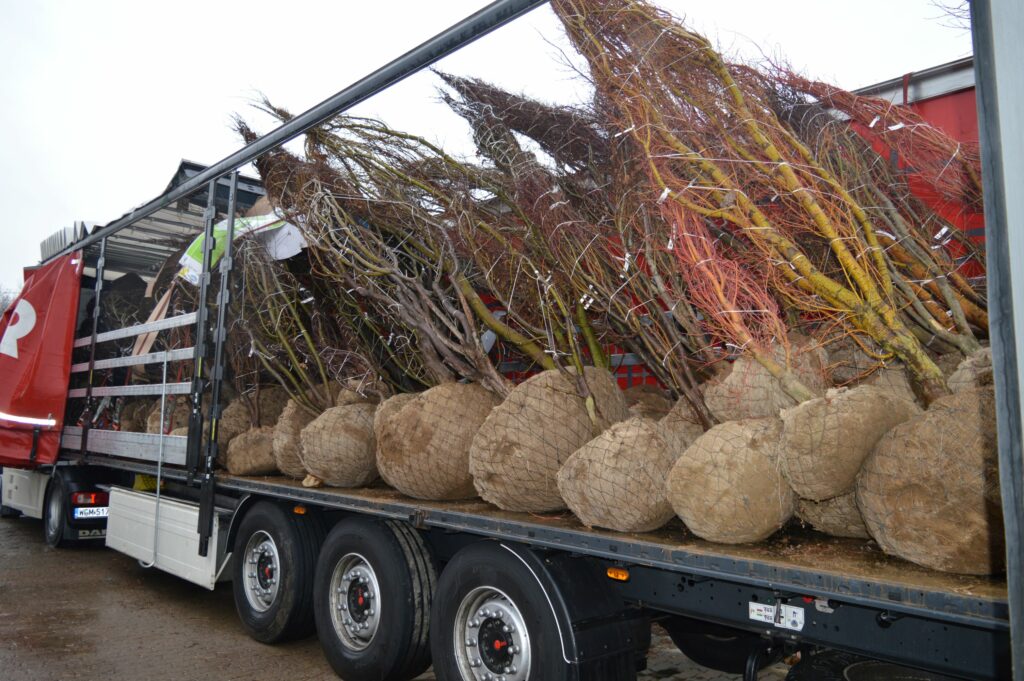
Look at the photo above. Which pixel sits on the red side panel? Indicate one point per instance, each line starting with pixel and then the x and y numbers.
pixel 36 335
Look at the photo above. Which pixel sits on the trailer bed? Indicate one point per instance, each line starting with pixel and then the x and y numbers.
pixel 798 561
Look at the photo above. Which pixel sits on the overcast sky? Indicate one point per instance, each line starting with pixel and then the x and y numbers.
pixel 101 99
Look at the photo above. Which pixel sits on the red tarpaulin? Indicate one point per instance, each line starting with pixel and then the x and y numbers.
pixel 36 334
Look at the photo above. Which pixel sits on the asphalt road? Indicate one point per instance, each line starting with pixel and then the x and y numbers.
pixel 92 613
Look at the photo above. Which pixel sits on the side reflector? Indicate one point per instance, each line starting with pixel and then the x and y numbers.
pixel 299 510
pixel 618 574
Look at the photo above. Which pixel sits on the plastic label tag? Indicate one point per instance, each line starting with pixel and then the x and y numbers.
pixel 790 617
pixel 782 616
pixel 761 612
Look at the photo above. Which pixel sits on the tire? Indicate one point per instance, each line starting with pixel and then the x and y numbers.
pixel 286 545
pixel 55 511
pixel 714 646
pixel 375 583
pixel 834 665
pixel 484 578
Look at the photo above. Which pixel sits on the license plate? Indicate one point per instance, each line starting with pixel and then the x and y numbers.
pixel 91 512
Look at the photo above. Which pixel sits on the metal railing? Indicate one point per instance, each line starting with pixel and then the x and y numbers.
pixel 199 460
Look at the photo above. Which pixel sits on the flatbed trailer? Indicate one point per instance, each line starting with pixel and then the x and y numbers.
pixel 376 571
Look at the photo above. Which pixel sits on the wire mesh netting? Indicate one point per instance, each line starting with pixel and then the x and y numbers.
pixel 338 446
pixel 824 441
pixel 517 452
pixel 727 486
pixel 929 492
pixel 617 480
pixel 423 446
pixel 838 516
pixel 747 390
pixel 287 442
pixel 252 452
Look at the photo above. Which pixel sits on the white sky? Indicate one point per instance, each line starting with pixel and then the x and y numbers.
pixel 101 99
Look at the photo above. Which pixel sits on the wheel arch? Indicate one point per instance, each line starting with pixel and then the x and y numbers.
pixel 594 624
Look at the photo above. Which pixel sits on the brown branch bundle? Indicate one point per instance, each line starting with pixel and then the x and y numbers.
pixel 714 145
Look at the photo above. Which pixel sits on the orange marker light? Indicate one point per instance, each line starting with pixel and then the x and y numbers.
pixel 299 510
pixel 618 574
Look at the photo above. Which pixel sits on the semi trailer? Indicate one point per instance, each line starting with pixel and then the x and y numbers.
pixel 391 584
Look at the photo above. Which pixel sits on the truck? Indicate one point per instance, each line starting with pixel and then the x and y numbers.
pixel 391 584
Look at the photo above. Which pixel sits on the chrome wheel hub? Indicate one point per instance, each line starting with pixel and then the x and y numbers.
pixel 262 571
pixel 355 601
pixel 491 640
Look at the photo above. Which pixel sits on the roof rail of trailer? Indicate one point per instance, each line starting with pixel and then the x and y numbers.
pixel 917 86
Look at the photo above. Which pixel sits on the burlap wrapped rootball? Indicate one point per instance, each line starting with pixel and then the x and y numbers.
pixel 252 453
pixel 134 414
pixel 176 412
pixel 745 389
pixel 825 441
pixel 648 401
pixel 847 361
pixel 895 380
pixel 929 492
pixel 727 486
pixel 973 372
pixel 389 408
pixel 838 516
pixel 237 418
pixel 294 417
pixel 617 480
pixel 517 452
pixel 680 428
pixel 338 446
pixel 423 446
pixel 287 443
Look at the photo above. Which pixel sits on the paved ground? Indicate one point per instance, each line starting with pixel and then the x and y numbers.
pixel 96 614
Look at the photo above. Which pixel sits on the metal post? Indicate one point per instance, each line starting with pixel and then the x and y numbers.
pixel 87 414
pixel 999 52
pixel 195 420
pixel 206 495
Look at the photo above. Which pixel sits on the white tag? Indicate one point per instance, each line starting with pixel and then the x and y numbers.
pixel 782 616
pixel 760 612
pixel 790 617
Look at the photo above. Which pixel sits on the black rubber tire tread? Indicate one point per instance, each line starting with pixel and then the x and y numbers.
pixel 424 582
pixel 831 665
pixel 715 646
pixel 60 540
pixel 401 649
pixel 308 533
pixel 488 564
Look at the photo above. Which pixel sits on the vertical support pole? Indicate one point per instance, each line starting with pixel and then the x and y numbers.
pixel 999 53
pixel 220 332
pixel 195 420
pixel 101 264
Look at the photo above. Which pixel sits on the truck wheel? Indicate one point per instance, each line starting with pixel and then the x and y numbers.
pixel 492 619
pixel 834 665
pixel 274 558
pixel 714 646
pixel 55 513
pixel 374 586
